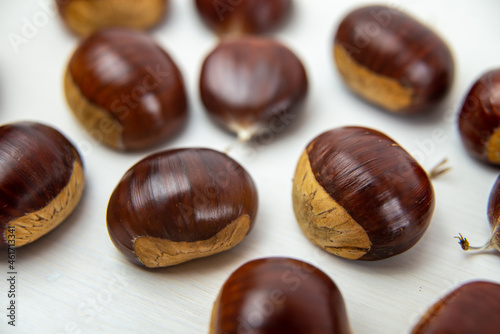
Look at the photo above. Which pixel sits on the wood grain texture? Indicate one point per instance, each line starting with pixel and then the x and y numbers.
pixel 183 196
pixel 131 79
pixel 84 17
pixel 243 16
pixel 278 296
pixel 479 118
pixel 393 45
pixel 379 185
pixel 471 308
pixel 41 180
pixel 250 84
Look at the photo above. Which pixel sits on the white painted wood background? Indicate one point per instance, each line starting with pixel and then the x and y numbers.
pixel 74 280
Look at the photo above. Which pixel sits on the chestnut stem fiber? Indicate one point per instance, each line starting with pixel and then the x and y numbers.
pixel 126 90
pixel 359 195
pixel 471 308
pixel 228 17
pixel 279 296
pixel 479 119
pixel 84 17
pixel 178 205
pixel 41 181
pixel 251 86
pixel 393 61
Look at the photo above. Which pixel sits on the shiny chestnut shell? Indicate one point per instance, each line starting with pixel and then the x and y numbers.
pixel 479 118
pixel 41 181
pixel 243 16
pixel 359 195
pixel 393 61
pixel 126 90
pixel 253 85
pixel 471 308
pixel 84 17
pixel 278 296
pixel 178 205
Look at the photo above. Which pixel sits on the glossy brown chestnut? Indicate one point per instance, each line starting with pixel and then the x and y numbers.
pixel 494 219
pixel 359 195
pixel 125 90
pixel 84 17
pixel 471 308
pixel 279 296
pixel 253 85
pixel 392 60
pixel 41 181
pixel 479 119
pixel 243 16
pixel 178 205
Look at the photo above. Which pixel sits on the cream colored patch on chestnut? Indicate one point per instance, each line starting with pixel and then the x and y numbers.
pixel 494 147
pixel 322 219
pixel 86 17
pixel 33 225
pixel 157 252
pixel 377 89
pixel 100 124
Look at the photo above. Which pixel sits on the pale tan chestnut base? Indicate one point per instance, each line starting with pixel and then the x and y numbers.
pixel 322 219
pixel 156 252
pixel 377 89
pixel 87 16
pixel 32 226
pixel 215 314
pixel 494 147
pixel 100 124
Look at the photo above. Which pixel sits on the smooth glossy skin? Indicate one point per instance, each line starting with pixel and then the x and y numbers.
pixel 494 214
pixel 243 16
pixel 472 308
pixel 84 17
pixel 250 85
pixel 181 195
pixel 279 296
pixel 479 117
pixel 378 183
pixel 134 81
pixel 36 164
pixel 391 44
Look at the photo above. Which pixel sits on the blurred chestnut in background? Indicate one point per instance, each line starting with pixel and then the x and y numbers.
pixel 359 195
pixel 126 90
pixel 41 181
pixel 479 118
pixel 393 61
pixel 279 295
pixel 471 308
pixel 178 205
pixel 85 17
pixel 243 16
pixel 252 85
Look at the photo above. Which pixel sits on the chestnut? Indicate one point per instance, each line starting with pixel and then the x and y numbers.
pixel 41 181
pixel 279 295
pixel 359 195
pixel 125 90
pixel 479 118
pixel 393 61
pixel 493 217
pixel 471 308
pixel 84 17
pixel 252 85
pixel 181 204
pixel 243 16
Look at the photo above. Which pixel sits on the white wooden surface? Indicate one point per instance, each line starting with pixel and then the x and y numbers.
pixel 74 280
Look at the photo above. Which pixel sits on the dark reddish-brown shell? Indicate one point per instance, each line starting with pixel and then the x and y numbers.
pixel 479 118
pixel 243 16
pixel 253 85
pixel 471 308
pixel 278 296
